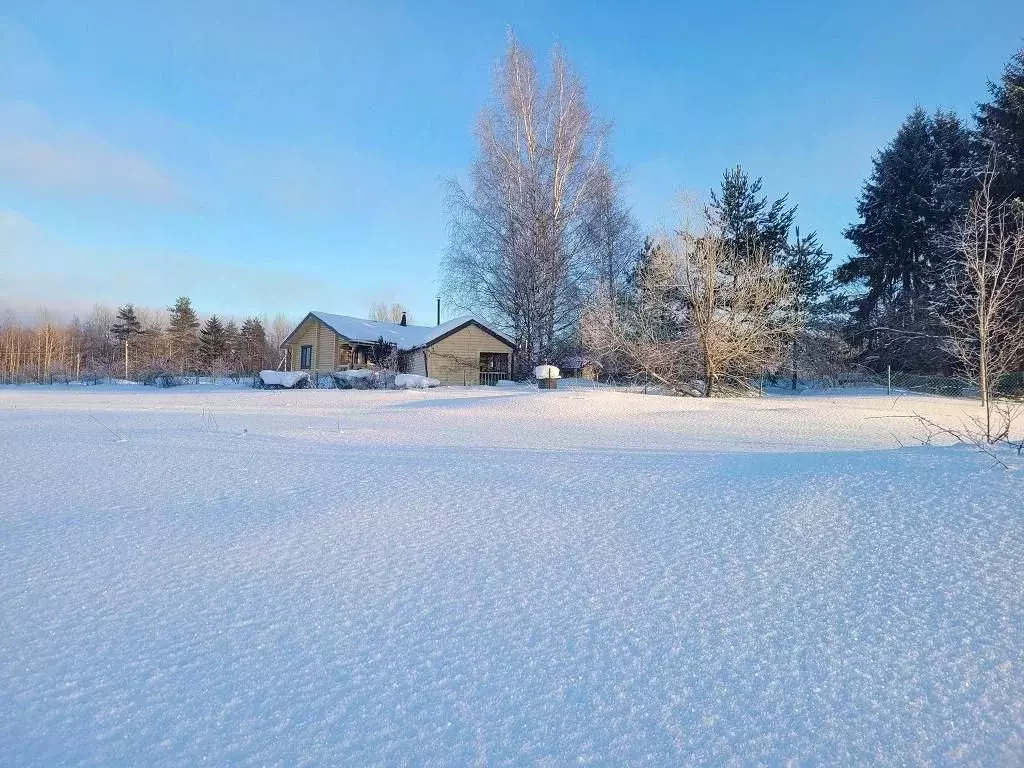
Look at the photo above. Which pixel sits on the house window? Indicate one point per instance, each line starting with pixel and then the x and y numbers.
pixel 306 357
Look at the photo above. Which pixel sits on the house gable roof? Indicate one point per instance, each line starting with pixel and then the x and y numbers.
pixel 405 337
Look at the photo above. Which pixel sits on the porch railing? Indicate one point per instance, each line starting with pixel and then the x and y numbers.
pixel 490 379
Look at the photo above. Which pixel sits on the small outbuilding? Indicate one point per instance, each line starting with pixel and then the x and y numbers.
pixel 580 367
pixel 462 351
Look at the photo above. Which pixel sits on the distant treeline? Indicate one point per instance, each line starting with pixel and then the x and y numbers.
pixel 137 344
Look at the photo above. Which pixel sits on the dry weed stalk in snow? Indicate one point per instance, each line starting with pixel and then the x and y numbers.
pixel 987 435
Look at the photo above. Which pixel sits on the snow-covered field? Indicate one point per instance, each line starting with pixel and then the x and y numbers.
pixel 501 576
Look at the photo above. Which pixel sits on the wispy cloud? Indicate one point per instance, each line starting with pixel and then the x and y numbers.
pixel 37 155
pixel 40 268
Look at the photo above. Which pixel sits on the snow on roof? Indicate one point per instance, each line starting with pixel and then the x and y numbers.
pixel 404 336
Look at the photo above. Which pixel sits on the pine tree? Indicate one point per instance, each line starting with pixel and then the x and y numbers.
pixel 1001 129
pixel 918 189
pixel 747 221
pixel 213 345
pixel 182 333
pixel 252 345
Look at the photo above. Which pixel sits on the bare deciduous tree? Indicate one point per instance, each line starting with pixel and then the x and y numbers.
pixel 644 336
pixel 278 329
pixel 985 292
pixel 519 251
pixel 613 234
pixel 699 314
pixel 389 313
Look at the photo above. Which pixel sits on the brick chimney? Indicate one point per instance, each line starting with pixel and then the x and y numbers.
pixel 403 320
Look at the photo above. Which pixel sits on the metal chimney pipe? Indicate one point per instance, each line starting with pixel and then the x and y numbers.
pixel 403 319
pixel 438 310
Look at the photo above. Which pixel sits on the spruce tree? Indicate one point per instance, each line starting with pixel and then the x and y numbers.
pixel 232 344
pixel 746 218
pixel 648 276
pixel 213 344
pixel 253 345
pixel 127 324
pixel 807 265
pixel 182 333
pixel 918 188
pixel 1001 129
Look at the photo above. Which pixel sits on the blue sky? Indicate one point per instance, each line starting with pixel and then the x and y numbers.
pixel 264 157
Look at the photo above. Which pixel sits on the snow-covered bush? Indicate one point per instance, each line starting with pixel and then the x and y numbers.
pixel 365 378
pixel 414 381
pixel 284 379
pixel 362 378
pixel 159 377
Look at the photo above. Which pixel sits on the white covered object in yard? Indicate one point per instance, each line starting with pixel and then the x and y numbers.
pixel 546 372
pixel 414 381
pixel 286 379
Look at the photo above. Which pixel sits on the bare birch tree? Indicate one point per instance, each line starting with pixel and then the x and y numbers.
pixel 519 250
pixel 613 234
pixel 985 290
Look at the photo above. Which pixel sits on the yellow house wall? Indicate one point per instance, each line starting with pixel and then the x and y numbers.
pixel 324 341
pixel 415 362
pixel 455 360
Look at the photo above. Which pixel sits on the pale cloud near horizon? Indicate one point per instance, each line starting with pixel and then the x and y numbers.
pixel 40 271
pixel 78 165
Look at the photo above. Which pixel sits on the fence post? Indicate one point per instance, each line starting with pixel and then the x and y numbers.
pixel 888 374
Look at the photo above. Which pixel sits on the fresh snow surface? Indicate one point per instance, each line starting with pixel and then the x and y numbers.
pixel 283 378
pixel 501 576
